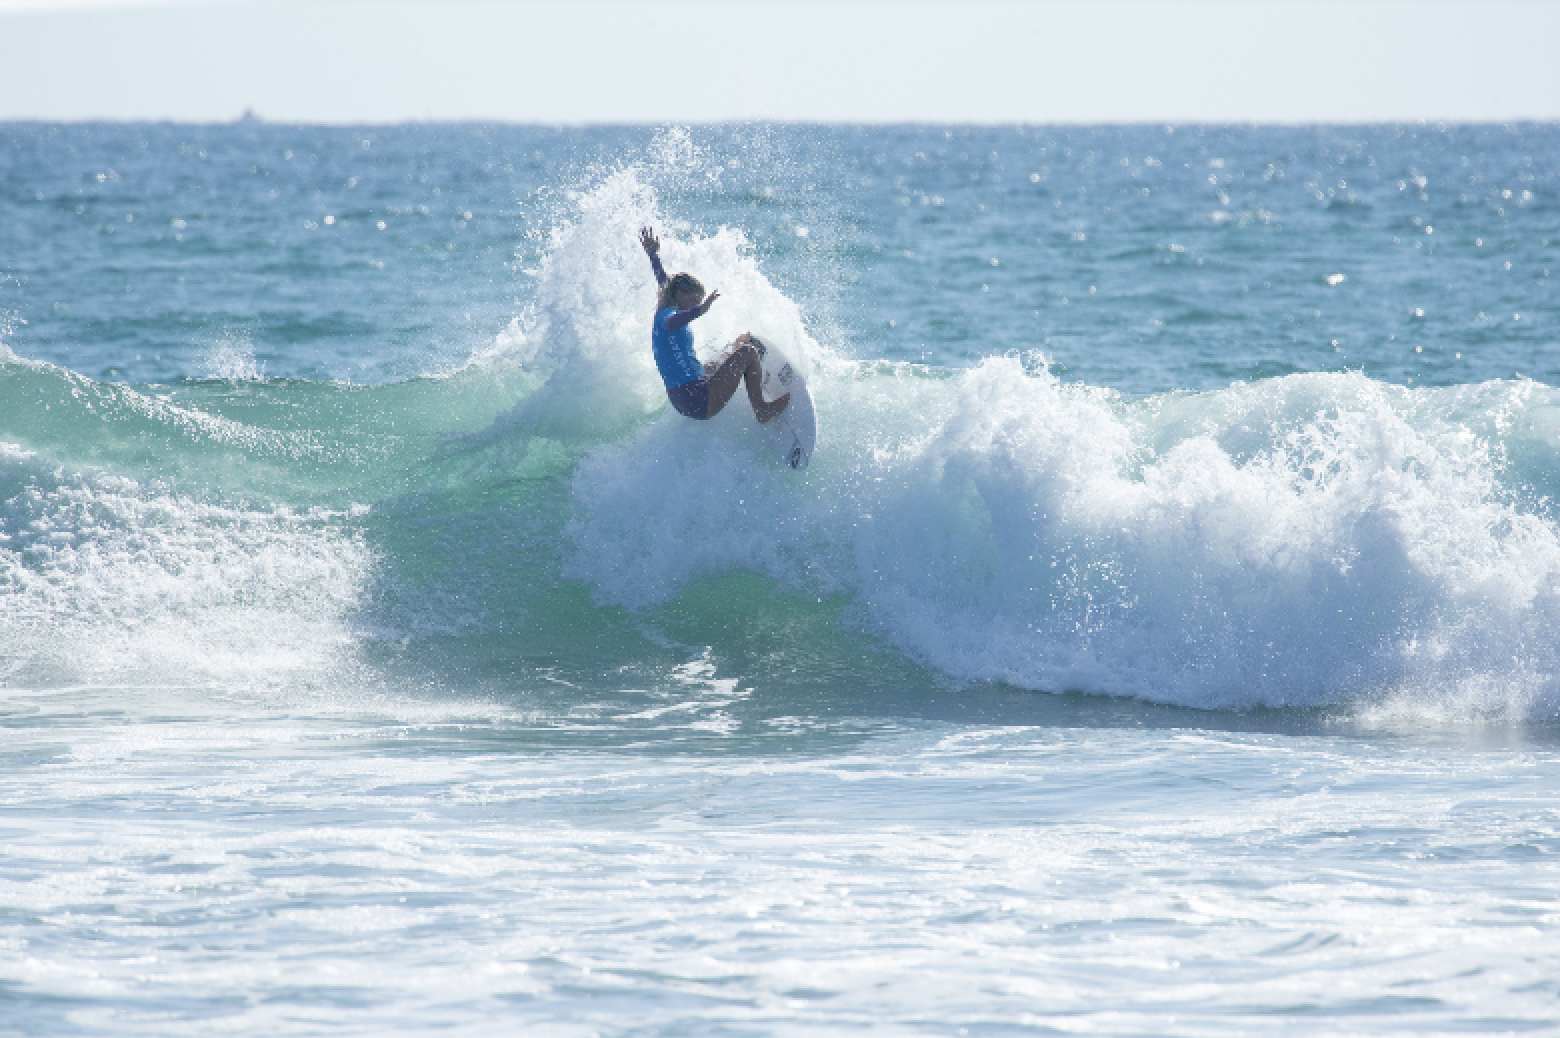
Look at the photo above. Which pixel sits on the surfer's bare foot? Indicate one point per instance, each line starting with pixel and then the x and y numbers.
pixel 772 408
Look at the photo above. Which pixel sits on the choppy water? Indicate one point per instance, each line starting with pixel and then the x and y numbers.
pixel 1162 641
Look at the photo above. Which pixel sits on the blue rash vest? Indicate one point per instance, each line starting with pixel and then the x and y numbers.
pixel 674 357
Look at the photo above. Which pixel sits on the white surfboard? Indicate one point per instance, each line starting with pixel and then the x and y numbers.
pixel 794 431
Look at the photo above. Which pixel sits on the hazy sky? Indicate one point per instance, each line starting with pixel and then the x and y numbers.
pixel 828 60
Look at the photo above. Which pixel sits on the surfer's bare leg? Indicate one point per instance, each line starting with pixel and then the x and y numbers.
pixel 742 366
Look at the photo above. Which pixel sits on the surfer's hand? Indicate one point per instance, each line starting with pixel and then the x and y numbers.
pixel 709 301
pixel 647 238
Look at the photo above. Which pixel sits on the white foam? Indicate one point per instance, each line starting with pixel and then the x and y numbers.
pixel 105 580
pixel 1294 542
pixel 232 358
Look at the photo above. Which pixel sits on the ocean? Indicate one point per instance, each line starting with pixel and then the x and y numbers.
pixel 1162 640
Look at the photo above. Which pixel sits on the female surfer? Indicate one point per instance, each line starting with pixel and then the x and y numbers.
pixel 695 391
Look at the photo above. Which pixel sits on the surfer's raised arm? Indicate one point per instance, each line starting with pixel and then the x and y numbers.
pixel 652 246
pixel 684 314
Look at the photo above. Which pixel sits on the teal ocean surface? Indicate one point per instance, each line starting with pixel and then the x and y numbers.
pixel 1164 640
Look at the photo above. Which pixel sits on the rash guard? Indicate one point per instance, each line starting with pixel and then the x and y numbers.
pixel 674 356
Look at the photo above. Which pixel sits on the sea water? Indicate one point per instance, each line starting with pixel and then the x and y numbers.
pixel 1163 639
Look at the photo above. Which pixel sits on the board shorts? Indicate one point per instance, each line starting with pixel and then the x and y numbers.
pixel 692 399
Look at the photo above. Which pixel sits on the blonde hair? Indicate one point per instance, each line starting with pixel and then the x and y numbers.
pixel 675 284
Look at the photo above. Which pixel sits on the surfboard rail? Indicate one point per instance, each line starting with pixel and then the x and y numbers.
pixel 794 432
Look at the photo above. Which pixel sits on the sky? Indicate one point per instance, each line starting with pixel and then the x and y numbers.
pixel 657 61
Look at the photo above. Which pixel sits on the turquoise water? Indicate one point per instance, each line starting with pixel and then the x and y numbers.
pixel 1162 640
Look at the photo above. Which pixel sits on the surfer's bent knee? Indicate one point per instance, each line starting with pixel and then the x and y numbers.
pixel 742 356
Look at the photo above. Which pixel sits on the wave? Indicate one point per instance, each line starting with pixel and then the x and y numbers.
pixel 1292 542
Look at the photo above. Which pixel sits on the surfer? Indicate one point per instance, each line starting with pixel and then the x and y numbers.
pixel 695 391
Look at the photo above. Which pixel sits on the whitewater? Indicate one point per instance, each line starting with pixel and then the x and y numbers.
pixel 1162 639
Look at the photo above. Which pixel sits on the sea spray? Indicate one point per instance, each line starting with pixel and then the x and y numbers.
pixel 584 336
pixel 232 358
